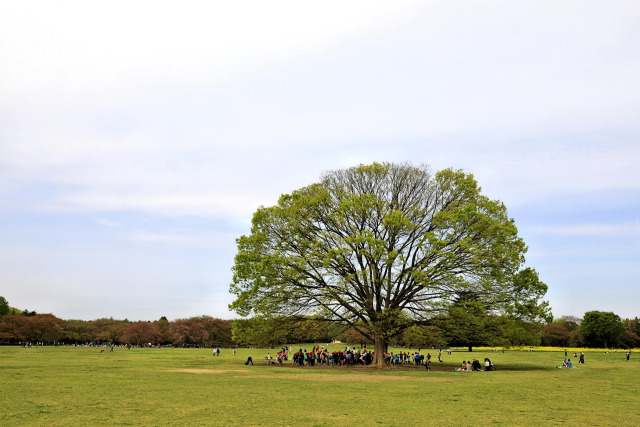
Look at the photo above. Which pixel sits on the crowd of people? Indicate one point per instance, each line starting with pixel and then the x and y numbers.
pixel 324 357
pixel 349 356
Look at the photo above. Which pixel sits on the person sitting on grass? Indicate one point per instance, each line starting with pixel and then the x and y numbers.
pixel 564 363
pixel 569 364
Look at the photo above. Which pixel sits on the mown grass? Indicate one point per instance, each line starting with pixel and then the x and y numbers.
pixel 79 386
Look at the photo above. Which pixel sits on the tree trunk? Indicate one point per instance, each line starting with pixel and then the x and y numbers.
pixel 380 348
pixel 470 348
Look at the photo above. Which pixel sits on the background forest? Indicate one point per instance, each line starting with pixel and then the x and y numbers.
pixel 457 328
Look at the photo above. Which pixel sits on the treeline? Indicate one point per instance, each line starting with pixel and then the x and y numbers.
pixel 596 329
pixel 203 331
pixel 466 327
pixel 456 329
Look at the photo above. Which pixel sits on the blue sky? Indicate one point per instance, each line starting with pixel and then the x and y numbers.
pixel 136 140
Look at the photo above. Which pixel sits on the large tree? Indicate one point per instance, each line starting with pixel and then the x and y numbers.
pixel 378 247
pixel 601 328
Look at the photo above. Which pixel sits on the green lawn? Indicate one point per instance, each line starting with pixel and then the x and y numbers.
pixel 80 386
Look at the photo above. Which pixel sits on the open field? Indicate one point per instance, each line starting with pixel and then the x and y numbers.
pixel 79 386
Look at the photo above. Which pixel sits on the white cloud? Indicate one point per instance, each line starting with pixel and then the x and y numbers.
pixel 512 93
pixel 77 46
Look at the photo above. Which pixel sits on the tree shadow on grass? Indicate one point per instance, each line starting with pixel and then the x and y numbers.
pixel 406 367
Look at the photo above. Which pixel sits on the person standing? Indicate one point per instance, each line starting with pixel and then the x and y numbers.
pixel 565 353
pixel 628 354
pixel 581 357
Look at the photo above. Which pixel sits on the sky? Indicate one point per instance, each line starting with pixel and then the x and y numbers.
pixel 138 138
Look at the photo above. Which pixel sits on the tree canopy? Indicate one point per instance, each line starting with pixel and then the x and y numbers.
pixel 382 247
pixel 601 329
pixel 4 306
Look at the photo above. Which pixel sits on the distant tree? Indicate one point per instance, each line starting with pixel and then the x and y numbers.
pixel 261 332
pixel 141 333
pixel 45 328
pixel 572 324
pixel 516 332
pixel 76 331
pixel 422 336
pixel 467 323
pixel 28 313
pixel 219 330
pixel 632 325
pixel 630 339
pixel 313 329
pixel 562 332
pixel 556 335
pixel 107 330
pixel 15 328
pixel 164 327
pixel 4 306
pixel 272 331
pixel 188 332
pixel 601 329
pixel 569 320
pixel 631 336
pixel 353 336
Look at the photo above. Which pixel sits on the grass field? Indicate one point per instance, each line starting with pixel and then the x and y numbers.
pixel 79 386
